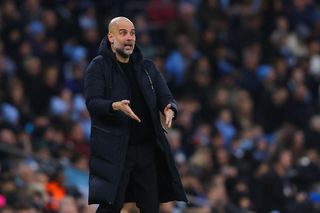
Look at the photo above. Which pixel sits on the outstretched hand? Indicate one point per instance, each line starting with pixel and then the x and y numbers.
pixel 169 115
pixel 124 107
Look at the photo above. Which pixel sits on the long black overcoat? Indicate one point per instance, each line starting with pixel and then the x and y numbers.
pixel 105 83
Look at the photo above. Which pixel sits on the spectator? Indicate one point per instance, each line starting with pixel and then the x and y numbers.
pixel 245 75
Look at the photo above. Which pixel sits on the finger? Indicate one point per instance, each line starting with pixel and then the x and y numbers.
pixel 167 120
pixel 168 107
pixel 168 123
pixel 125 101
pixel 133 115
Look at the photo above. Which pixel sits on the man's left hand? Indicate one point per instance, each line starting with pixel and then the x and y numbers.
pixel 169 115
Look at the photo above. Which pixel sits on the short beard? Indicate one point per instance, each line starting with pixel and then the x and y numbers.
pixel 122 53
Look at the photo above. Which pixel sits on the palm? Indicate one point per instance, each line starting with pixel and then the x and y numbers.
pixel 169 114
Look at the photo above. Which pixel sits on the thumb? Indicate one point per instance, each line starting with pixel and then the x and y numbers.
pixel 126 101
pixel 168 106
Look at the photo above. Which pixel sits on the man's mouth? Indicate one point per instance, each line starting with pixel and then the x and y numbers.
pixel 128 45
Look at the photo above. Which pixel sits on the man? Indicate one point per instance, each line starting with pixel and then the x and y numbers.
pixel 130 157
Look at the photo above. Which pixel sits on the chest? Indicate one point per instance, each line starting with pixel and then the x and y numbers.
pixel 122 83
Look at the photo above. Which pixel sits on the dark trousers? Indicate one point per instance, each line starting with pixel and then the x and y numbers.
pixel 140 169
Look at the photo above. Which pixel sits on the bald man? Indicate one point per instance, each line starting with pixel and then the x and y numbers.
pixel 130 159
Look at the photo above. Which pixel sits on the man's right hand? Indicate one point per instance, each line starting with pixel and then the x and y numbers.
pixel 124 107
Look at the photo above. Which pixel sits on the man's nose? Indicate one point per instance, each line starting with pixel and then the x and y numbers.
pixel 130 37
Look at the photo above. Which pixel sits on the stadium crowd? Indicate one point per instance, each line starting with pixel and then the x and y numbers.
pixel 245 73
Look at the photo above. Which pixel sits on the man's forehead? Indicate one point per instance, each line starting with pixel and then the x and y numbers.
pixel 120 23
pixel 123 24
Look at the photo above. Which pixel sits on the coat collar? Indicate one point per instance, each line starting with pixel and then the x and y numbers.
pixel 105 50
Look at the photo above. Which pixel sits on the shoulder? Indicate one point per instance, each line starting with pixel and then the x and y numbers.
pixel 149 65
pixel 96 63
pixel 97 60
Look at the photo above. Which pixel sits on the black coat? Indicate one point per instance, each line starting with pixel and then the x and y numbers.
pixel 105 83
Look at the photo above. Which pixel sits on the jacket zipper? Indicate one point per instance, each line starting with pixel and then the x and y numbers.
pixel 150 81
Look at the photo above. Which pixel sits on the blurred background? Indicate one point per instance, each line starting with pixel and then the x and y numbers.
pixel 245 73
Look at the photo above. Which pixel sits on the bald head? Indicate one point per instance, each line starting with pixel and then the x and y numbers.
pixel 115 22
pixel 122 37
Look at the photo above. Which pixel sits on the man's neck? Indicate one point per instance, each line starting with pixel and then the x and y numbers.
pixel 119 57
pixel 122 59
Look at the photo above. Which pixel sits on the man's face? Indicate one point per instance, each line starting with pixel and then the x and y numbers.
pixel 123 38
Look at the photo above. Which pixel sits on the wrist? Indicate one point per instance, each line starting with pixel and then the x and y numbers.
pixel 114 106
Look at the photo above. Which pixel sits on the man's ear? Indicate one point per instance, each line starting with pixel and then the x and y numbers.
pixel 110 38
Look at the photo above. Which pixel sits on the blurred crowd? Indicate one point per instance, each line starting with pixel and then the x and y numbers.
pixel 245 73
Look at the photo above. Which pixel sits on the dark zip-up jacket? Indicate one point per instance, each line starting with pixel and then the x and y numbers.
pixel 104 84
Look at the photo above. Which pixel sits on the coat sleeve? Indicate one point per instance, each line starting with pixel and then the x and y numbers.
pixel 163 94
pixel 94 89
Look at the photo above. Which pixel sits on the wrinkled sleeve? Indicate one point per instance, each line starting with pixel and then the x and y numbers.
pixel 94 90
pixel 164 96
